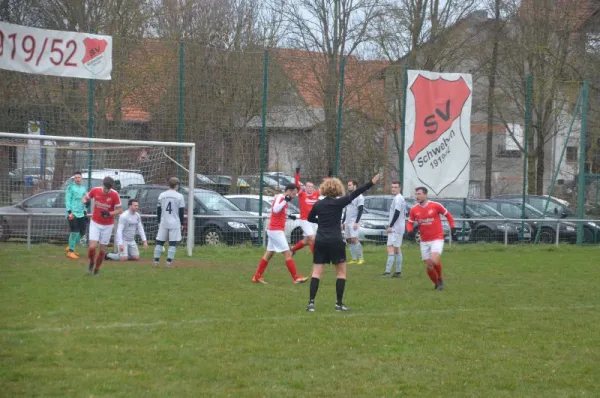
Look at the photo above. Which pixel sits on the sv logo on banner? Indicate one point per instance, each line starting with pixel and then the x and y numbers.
pixel 438 133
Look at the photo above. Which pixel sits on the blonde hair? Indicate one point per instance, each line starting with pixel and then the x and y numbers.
pixel 332 188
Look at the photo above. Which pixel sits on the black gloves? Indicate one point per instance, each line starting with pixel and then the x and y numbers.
pixel 288 198
pixel 297 170
pixel 453 231
pixel 105 214
pixel 292 217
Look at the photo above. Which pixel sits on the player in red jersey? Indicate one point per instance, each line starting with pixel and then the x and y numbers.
pixel 307 198
pixel 427 216
pixel 107 205
pixel 277 242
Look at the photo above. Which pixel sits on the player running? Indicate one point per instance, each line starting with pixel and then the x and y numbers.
pixel 427 216
pixel 169 214
pixel 130 223
pixel 307 198
pixel 351 222
pixel 76 213
pixel 107 205
pixel 277 242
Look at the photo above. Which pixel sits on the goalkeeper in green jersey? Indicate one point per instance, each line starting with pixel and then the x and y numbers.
pixel 76 213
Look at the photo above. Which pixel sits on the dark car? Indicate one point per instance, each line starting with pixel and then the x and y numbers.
pixel 547 229
pixel 380 205
pixel 223 184
pixel 555 208
pixel 211 227
pixel 48 218
pixel 493 229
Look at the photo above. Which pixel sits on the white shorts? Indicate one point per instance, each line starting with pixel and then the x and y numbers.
pixel 130 249
pixel 434 246
pixel 100 233
pixel 350 232
pixel 168 234
pixel 277 241
pixel 308 228
pixel 395 239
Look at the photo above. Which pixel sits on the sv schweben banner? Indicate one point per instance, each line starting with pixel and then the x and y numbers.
pixel 54 52
pixel 438 133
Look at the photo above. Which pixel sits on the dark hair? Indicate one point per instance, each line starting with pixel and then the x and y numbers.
pixel 354 182
pixel 132 201
pixel 423 189
pixel 173 182
pixel 77 173
pixel 108 182
pixel 290 186
pixel 398 183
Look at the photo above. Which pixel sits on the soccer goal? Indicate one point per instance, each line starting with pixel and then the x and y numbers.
pixel 36 169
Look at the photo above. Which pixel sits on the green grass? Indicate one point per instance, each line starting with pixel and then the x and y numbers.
pixel 518 322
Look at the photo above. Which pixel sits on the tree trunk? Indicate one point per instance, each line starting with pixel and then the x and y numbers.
pixel 489 143
pixel 539 181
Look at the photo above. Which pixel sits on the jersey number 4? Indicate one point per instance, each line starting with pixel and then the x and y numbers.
pixel 169 208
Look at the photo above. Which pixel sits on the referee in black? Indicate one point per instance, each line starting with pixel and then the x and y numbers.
pixel 329 243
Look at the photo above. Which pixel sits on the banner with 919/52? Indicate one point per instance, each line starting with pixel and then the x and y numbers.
pixel 53 52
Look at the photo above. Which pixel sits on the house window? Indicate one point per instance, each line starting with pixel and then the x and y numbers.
pixel 572 154
pixel 513 141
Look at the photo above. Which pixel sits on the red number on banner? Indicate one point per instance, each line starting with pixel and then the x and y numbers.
pixel 68 61
pixel 1 43
pixel 28 49
pixel 53 50
pixel 13 37
pixel 39 58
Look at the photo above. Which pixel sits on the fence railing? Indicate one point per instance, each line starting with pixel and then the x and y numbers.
pixel 237 229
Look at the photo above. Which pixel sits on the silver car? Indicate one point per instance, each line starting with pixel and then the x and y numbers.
pixel 48 223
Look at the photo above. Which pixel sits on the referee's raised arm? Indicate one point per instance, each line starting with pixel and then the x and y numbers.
pixel 345 200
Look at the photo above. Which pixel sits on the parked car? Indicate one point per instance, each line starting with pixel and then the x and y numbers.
pixel 29 176
pixel 236 227
pixel 486 231
pixel 557 208
pixel 380 205
pixel 270 186
pixel 51 224
pixel 511 209
pixel 250 203
pixel 122 178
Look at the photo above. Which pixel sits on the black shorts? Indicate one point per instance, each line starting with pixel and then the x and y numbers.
pixel 329 252
pixel 78 225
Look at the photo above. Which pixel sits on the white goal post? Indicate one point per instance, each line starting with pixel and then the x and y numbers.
pixel 70 153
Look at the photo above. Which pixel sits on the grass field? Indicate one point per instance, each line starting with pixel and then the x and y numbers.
pixel 523 321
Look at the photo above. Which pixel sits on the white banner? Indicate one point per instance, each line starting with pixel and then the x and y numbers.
pixel 53 52
pixel 438 133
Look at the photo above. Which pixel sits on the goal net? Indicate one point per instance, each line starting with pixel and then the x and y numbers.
pixel 35 170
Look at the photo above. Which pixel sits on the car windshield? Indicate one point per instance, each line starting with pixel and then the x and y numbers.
pixel 483 210
pixel 215 202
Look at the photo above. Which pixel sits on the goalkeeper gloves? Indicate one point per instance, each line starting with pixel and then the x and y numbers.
pixel 105 213
pixel 71 216
pixel 288 198
pixel 297 170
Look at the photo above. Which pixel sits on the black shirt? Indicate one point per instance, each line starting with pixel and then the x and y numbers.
pixel 327 212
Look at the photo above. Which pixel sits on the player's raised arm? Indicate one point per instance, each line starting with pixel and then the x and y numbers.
pixel 297 179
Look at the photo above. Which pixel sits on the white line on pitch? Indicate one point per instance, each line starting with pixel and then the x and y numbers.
pixel 175 324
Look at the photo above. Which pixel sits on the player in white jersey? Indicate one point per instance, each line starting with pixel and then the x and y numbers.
pixel 130 223
pixel 169 212
pixel 351 222
pixel 395 231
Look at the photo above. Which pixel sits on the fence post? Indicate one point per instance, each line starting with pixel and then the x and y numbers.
pixel 582 147
pixel 28 232
pixel 180 110
pixel 528 88
pixel 505 234
pixel 557 232
pixel 403 126
pixel 263 139
pixel 338 135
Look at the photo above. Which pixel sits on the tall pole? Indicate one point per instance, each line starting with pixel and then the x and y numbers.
pixel 403 126
pixel 263 144
pixel 582 147
pixel 180 122
pixel 528 90
pixel 338 135
pixel 91 89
